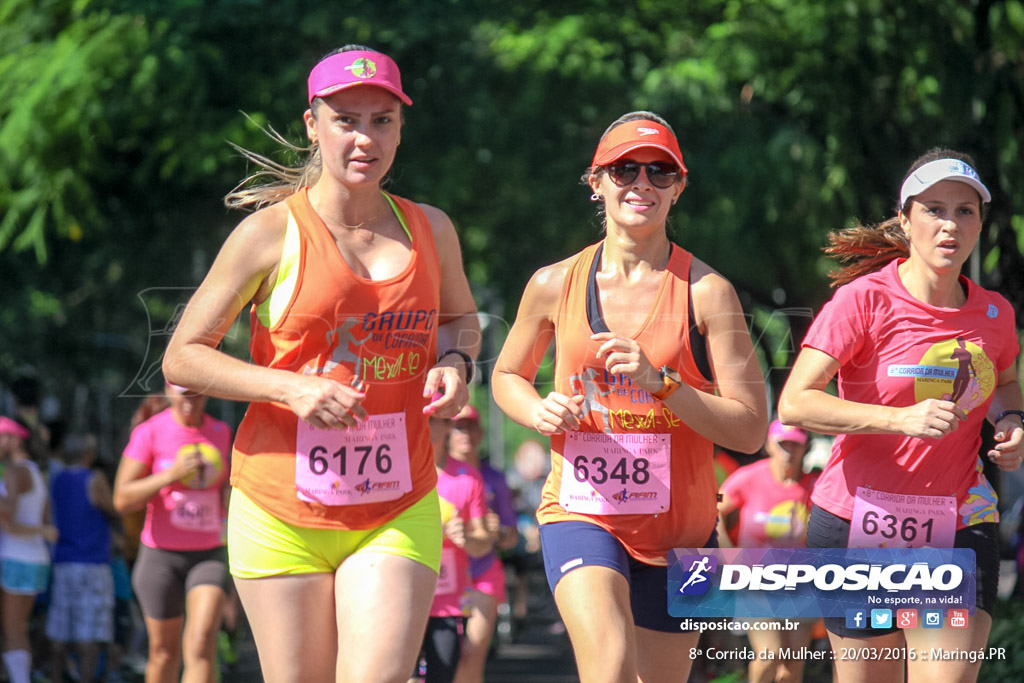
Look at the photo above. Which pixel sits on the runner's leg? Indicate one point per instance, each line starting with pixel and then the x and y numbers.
pixel 594 604
pixel 664 657
pixel 383 602
pixel 203 609
pixel 850 667
pixel 950 641
pixel 289 615
pixel 483 617
pixel 164 649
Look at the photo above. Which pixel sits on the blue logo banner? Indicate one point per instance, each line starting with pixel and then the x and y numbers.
pixel 817 582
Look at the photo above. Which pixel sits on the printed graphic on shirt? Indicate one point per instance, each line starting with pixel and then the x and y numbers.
pixel 379 346
pixel 981 504
pixel 448 511
pixel 210 471
pixel 953 370
pixel 595 384
pixel 785 520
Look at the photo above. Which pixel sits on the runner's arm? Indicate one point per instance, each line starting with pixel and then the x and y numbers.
pixel 805 403
pixel 458 324
pixel 737 416
pixel 101 496
pixel 241 273
pixel 134 485
pixel 523 353
pixel 478 541
pixel 1009 434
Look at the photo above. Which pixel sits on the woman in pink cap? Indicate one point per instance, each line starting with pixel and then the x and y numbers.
pixel 487 591
pixel 769 502
pixel 905 468
pixel 654 364
pixel 362 325
pixel 175 468
pixel 24 556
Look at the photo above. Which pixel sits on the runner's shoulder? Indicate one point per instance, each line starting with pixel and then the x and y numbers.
pixel 545 286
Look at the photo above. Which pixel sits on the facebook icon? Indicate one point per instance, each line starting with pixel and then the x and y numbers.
pixel 856 618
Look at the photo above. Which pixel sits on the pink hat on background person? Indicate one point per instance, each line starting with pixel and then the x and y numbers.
pixel 9 426
pixel 632 135
pixel 780 432
pixel 468 412
pixel 355 67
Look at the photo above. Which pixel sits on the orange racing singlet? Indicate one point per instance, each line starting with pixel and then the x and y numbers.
pixel 340 325
pixel 630 453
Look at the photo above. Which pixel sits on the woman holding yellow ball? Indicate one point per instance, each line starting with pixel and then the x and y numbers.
pixel 175 464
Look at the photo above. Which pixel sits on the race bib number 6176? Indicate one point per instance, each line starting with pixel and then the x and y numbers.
pixel 365 464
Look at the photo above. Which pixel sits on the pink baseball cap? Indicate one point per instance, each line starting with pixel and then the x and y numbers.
pixel 355 67
pixel 780 432
pixel 626 137
pixel 9 426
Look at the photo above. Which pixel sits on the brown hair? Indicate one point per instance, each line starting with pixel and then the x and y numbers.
pixel 865 249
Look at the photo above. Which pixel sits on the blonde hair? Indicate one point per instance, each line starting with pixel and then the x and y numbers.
pixel 274 182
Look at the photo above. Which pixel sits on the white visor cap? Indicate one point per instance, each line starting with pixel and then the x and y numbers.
pixel 942 169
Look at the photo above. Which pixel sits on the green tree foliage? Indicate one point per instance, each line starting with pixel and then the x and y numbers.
pixel 795 116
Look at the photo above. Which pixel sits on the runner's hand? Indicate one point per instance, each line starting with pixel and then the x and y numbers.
pixel 492 523
pixel 557 413
pixel 1009 449
pixel 49 533
pixel 326 403
pixel 446 387
pixel 455 531
pixel 624 356
pixel 929 419
pixel 188 462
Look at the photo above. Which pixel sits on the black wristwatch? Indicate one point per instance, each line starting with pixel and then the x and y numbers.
pixel 1007 413
pixel 470 366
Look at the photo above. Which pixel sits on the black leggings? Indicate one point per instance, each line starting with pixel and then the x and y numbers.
pixel 162 578
pixel 442 647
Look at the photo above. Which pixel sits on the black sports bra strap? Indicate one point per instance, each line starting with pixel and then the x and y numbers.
pixel 698 345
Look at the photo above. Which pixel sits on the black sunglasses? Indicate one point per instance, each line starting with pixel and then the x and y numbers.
pixel 659 173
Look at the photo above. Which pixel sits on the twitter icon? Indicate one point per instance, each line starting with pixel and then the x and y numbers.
pixel 881 618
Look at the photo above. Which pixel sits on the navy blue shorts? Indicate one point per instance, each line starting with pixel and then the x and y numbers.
pixel 825 530
pixel 569 545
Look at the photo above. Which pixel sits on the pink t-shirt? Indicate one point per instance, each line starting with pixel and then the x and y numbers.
pixel 772 514
pixel 461 489
pixel 186 515
pixel 898 351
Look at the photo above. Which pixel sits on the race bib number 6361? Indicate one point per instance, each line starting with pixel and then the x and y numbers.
pixel 365 464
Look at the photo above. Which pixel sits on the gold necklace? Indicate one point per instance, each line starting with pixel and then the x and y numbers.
pixel 371 219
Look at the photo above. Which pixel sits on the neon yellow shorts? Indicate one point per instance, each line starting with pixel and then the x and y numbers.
pixel 260 545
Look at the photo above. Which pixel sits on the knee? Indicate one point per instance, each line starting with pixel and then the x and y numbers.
pixel 163 657
pixel 200 643
pixel 762 667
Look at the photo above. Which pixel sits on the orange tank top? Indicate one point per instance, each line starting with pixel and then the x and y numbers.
pixel 340 325
pixel 615 406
